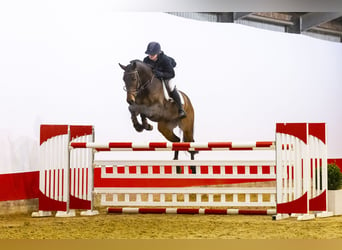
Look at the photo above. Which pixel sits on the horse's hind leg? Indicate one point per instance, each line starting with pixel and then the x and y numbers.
pixel 188 136
pixel 166 129
pixel 192 155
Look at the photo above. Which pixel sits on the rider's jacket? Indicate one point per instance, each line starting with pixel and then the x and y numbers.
pixel 163 66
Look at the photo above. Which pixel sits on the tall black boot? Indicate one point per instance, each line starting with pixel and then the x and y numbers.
pixel 175 95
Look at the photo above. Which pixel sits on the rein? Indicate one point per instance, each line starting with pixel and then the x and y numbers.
pixel 140 86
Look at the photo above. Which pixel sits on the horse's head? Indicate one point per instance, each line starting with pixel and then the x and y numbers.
pixel 135 76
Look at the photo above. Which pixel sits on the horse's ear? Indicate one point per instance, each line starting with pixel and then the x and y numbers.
pixel 123 67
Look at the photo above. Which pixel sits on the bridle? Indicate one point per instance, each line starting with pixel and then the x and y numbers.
pixel 141 86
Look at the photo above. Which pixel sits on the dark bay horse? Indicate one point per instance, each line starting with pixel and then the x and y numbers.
pixel 145 96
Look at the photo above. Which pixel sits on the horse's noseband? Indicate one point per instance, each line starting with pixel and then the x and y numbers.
pixel 140 86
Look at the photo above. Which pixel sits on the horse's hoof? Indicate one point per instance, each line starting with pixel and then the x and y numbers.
pixel 139 128
pixel 148 127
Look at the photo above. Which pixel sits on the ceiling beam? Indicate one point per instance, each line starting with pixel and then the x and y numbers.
pixel 314 19
pixel 295 27
pixel 241 15
pixel 267 19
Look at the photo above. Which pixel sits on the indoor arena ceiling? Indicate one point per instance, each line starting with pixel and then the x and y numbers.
pixel 329 23
pixel 324 23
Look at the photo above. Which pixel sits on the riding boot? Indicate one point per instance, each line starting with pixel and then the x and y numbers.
pixel 175 95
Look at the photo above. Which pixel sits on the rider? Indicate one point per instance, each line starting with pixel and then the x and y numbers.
pixel 162 66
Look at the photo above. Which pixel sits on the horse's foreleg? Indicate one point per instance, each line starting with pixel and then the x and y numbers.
pixel 138 127
pixel 166 129
pixel 188 137
pixel 145 124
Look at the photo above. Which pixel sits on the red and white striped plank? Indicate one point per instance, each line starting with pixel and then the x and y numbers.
pixel 175 146
pixel 136 210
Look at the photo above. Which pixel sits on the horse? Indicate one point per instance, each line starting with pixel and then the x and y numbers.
pixel 145 96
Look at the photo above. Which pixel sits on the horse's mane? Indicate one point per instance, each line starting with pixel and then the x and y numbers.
pixel 136 61
pixel 139 62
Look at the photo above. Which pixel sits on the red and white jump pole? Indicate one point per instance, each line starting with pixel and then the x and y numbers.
pixel 174 146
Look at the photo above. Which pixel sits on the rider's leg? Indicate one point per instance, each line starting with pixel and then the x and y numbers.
pixel 173 92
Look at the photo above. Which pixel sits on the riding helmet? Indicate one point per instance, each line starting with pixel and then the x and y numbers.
pixel 153 48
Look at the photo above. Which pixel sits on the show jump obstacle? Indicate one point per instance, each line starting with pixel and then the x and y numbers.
pixel 69 176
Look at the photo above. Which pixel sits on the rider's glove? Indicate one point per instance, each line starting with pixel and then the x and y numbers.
pixel 158 74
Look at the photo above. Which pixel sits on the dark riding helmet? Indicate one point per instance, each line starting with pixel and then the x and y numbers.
pixel 153 48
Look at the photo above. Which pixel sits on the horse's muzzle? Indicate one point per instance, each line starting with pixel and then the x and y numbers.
pixel 130 99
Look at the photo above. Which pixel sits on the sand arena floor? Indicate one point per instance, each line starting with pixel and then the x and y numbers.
pixel 167 226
